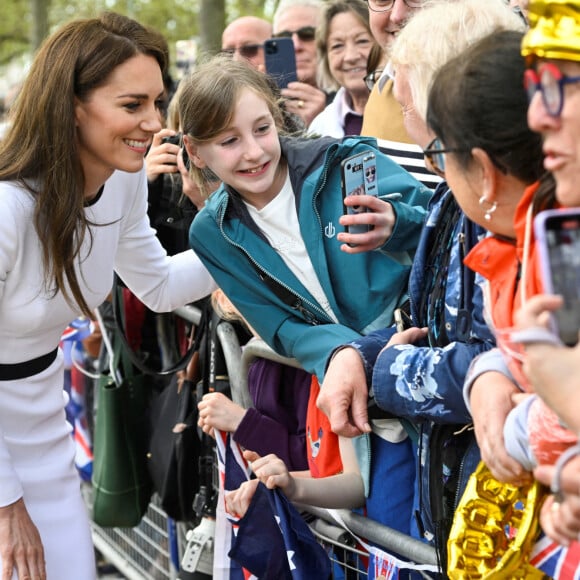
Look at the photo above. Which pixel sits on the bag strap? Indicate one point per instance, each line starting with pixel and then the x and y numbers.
pixel 135 360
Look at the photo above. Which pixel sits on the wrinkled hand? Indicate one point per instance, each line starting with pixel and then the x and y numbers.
pixel 271 471
pixel 20 545
pixel 343 394
pixel 561 521
pixel 161 157
pixel 380 216
pixel 304 100
pixel 238 501
pixel 491 401
pixel 216 411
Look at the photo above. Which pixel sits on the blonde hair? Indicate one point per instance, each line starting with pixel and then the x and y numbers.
pixel 441 31
pixel 208 99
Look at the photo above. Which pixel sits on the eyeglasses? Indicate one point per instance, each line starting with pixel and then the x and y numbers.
pixel 372 78
pixel 550 81
pixel 305 34
pixel 386 5
pixel 435 154
pixel 246 51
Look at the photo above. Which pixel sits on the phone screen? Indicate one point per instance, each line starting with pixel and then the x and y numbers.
pixel 560 237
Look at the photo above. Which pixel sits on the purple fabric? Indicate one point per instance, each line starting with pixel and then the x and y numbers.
pixel 352 124
pixel 277 424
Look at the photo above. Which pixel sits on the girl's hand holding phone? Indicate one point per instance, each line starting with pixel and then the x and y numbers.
pixel 378 215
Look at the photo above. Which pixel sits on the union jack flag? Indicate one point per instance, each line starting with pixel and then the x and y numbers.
pixel 558 562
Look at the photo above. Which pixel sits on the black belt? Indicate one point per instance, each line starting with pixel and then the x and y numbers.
pixel 27 368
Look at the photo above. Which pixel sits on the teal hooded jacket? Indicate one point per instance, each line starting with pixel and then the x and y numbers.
pixel 363 289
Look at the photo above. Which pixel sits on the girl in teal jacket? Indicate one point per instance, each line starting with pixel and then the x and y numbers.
pixel 273 237
pixel 282 264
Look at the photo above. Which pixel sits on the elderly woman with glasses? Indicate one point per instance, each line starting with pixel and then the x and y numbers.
pixel 418 374
pixel 344 43
pixel 552 52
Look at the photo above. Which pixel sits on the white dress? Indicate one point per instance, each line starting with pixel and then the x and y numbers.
pixel 36 449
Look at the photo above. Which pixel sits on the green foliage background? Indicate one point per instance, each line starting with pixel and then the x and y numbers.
pixel 23 23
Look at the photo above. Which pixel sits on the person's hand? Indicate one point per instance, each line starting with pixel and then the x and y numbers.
pixel 271 471
pixel 161 157
pixel 216 411
pixel 409 336
pixel 238 501
pixel 536 311
pixel 21 549
pixel 379 216
pixel 561 520
pixel 491 401
pixel 343 394
pixel 551 369
pixel 304 100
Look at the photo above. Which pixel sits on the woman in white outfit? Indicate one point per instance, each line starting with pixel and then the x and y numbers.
pixel 73 201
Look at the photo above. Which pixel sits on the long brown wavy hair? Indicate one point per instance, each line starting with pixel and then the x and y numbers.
pixel 40 150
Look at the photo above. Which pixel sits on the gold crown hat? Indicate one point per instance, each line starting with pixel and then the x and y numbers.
pixel 554 30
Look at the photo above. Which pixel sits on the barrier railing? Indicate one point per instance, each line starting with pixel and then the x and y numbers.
pixel 386 538
pixel 118 546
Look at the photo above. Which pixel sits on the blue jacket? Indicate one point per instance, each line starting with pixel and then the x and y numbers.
pixel 423 383
pixel 363 290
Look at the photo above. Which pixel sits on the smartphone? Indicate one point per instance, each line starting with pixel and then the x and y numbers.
pixel 177 139
pixel 558 237
pixel 280 60
pixel 359 177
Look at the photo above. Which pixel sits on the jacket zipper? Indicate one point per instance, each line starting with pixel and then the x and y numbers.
pixel 299 305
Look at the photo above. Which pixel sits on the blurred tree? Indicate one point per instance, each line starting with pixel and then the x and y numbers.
pixel 39 28
pixel 23 23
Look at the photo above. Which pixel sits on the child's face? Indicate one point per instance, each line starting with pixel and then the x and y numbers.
pixel 247 154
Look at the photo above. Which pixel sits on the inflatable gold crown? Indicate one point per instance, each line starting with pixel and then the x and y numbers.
pixel 554 30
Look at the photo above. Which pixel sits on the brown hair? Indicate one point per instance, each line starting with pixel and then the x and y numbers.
pixel 208 97
pixel 40 150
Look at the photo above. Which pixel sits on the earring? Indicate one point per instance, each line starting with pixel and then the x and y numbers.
pixel 489 210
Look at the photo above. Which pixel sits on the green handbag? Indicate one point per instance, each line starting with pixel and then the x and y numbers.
pixel 122 486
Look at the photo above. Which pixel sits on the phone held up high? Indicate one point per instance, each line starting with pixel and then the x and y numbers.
pixel 558 237
pixel 280 60
pixel 359 177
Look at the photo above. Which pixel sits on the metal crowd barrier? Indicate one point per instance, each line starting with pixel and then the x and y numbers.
pixel 154 548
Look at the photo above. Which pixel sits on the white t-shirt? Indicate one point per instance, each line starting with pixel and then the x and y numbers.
pixel 278 221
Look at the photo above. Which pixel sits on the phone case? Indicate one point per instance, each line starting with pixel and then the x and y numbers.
pixel 354 171
pixel 557 235
pixel 280 60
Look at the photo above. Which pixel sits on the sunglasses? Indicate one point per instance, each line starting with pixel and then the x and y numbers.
pixel 306 33
pixel 550 81
pixel 246 51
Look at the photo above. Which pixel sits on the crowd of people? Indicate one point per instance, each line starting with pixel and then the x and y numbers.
pixel 426 337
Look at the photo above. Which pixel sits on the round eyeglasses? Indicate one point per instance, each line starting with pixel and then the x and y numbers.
pixel 550 81
pixel 386 5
